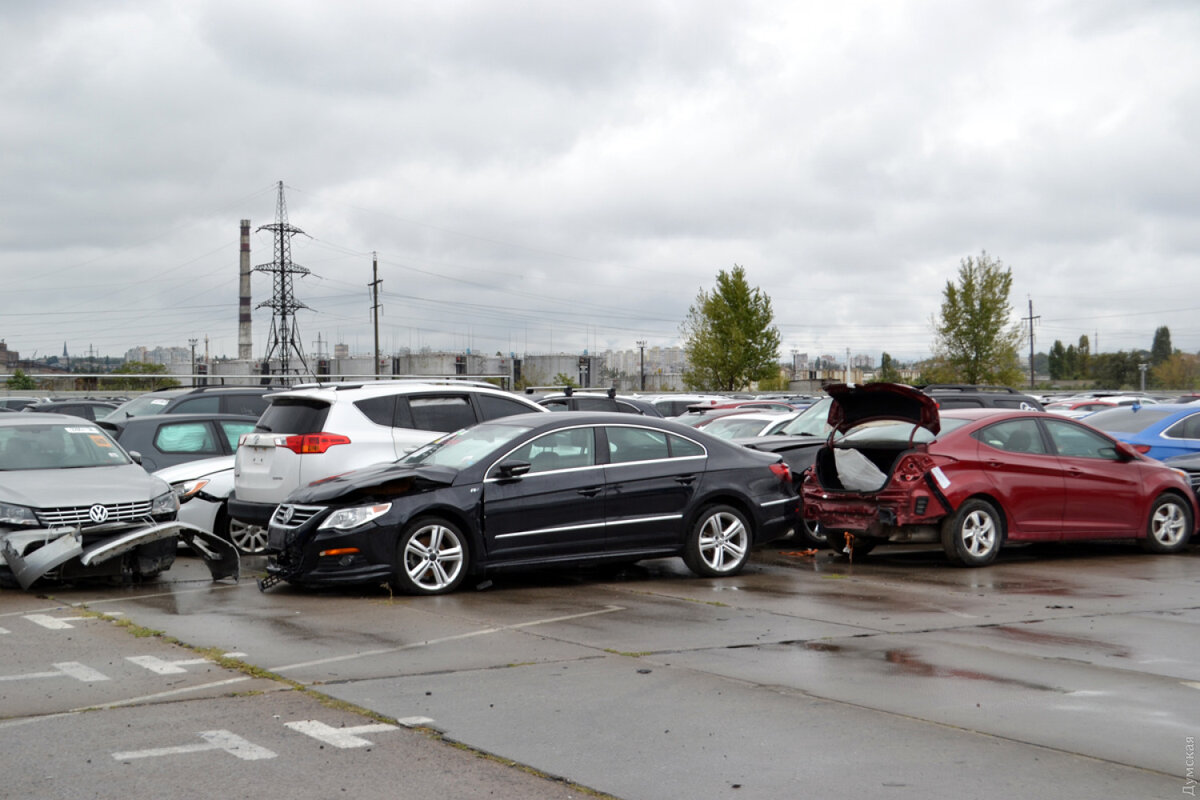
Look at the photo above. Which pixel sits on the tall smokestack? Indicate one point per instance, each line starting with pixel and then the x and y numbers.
pixel 245 337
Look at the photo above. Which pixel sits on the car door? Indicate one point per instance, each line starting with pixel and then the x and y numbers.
pixel 1027 476
pixel 1103 489
pixel 555 509
pixel 650 480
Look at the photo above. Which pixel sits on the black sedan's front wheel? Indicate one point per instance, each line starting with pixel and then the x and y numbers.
pixel 719 542
pixel 431 558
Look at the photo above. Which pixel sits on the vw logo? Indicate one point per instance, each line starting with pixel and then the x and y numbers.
pixel 285 515
pixel 98 513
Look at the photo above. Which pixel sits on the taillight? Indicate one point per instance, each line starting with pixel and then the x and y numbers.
pixel 914 466
pixel 313 442
pixel 782 471
pixel 1141 448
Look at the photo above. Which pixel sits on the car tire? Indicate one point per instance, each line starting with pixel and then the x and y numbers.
pixel 811 533
pixel 718 543
pixel 432 557
pixel 249 540
pixel 837 542
pixel 1170 525
pixel 972 536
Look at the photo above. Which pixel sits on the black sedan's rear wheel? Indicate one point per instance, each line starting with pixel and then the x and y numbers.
pixel 432 557
pixel 719 542
pixel 972 537
pixel 1169 526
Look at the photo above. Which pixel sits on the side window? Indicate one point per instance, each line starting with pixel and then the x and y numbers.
pixel 234 430
pixel 566 449
pixel 635 444
pixel 207 404
pixel 1187 428
pixel 595 404
pixel 493 407
pixel 1076 441
pixel 558 404
pixel 185 437
pixel 684 448
pixel 1013 436
pixel 248 404
pixel 379 410
pixel 441 413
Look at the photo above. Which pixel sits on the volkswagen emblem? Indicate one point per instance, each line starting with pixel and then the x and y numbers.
pixel 98 513
pixel 285 514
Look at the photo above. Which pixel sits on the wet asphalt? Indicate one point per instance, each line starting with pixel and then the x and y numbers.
pixel 1058 671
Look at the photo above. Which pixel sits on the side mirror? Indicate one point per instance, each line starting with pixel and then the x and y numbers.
pixel 1125 451
pixel 512 469
pixel 136 456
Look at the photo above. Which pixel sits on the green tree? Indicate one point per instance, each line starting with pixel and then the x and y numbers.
pixel 888 373
pixel 1058 359
pixel 1161 350
pixel 1180 371
pixel 1082 365
pixel 20 382
pixel 729 338
pixel 563 379
pixel 976 337
pixel 138 384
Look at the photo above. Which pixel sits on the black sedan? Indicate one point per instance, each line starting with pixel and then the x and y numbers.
pixel 535 490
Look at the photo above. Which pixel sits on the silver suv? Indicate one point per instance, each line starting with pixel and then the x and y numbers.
pixel 315 431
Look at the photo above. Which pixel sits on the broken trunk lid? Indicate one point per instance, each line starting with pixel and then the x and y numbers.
pixel 854 404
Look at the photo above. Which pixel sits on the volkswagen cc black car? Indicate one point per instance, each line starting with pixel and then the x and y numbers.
pixel 535 490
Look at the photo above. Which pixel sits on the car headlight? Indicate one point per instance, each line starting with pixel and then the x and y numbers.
pixel 165 503
pixel 186 490
pixel 16 515
pixel 346 518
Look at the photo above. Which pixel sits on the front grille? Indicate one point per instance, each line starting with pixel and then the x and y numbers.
pixel 1194 479
pixel 295 515
pixel 82 515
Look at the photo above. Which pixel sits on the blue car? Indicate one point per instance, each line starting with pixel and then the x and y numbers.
pixel 1159 431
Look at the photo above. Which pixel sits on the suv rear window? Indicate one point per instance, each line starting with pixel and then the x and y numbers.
pixel 293 415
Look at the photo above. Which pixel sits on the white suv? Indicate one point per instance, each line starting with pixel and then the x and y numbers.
pixel 315 431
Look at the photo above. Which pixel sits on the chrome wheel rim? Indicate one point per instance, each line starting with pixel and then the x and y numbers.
pixel 1167 524
pixel 247 538
pixel 979 533
pixel 433 557
pixel 723 541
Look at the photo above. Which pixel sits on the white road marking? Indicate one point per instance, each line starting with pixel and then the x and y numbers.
pixel 426 643
pixel 61 623
pixel 1191 684
pixel 69 669
pixel 343 738
pixel 161 666
pixel 214 740
pixel 4 631
pixel 415 722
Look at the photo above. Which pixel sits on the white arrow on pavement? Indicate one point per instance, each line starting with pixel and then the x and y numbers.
pixel 214 740
pixel 60 623
pixel 161 666
pixel 338 737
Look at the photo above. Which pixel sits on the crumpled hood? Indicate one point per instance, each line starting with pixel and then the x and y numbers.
pixel 190 470
pixel 854 404
pixel 376 482
pixel 57 488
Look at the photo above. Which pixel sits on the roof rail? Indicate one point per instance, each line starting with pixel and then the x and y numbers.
pixel 339 385
pixel 967 387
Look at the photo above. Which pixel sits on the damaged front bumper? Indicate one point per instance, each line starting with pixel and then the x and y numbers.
pixel 33 554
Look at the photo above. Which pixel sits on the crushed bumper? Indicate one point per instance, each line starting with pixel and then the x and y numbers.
pixel 61 545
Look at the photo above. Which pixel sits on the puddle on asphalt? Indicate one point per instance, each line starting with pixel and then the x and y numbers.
pixel 907 662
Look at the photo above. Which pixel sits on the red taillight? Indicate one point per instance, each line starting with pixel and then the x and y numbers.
pixel 314 442
pixel 1141 448
pixel 782 472
pixel 914 466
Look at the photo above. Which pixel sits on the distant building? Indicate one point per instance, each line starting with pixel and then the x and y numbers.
pixel 8 358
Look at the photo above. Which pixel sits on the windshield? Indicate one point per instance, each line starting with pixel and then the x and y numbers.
pixel 811 421
pixel 57 447
pixel 463 448
pixel 140 407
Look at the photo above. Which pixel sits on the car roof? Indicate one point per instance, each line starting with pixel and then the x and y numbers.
pixel 47 418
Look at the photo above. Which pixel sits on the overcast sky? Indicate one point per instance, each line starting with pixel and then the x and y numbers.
pixel 559 176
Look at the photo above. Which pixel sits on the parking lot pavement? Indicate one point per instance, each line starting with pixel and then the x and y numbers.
pixel 1069 671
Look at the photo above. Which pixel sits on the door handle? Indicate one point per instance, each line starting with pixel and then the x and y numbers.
pixel 995 464
pixel 591 491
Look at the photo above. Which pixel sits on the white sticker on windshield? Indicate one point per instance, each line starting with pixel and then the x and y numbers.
pixel 159 402
pixel 940 477
pixel 82 430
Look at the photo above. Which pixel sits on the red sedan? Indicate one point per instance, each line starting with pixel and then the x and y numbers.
pixel 896 471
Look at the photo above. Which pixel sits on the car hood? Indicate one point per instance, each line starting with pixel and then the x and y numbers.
pixel 43 488
pixel 190 470
pixel 373 483
pixel 854 404
pixel 1188 461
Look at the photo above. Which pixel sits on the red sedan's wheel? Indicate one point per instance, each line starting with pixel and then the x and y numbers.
pixel 1170 525
pixel 972 537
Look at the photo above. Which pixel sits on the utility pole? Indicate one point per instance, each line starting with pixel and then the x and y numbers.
pixel 642 362
pixel 192 342
pixel 1031 318
pixel 375 304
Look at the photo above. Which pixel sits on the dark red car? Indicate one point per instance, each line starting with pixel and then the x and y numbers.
pixel 894 470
